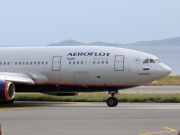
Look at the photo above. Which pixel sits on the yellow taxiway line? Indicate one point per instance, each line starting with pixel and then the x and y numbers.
pixel 153 133
pixel 43 106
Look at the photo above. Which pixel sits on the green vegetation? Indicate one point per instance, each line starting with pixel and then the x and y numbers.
pixel 167 81
pixel 102 97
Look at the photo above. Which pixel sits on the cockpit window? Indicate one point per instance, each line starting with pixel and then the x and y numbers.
pixel 146 61
pixel 152 61
pixel 157 60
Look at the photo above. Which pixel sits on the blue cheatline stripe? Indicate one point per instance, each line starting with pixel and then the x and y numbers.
pixel 2 90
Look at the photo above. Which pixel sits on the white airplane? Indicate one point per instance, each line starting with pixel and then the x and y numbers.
pixel 69 70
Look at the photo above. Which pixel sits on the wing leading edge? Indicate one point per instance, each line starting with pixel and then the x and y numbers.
pixel 21 78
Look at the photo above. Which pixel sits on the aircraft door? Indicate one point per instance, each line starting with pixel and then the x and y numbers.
pixel 119 63
pixel 56 63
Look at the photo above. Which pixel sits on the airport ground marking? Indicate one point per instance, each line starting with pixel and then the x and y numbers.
pixel 153 133
pixel 171 129
pixel 10 109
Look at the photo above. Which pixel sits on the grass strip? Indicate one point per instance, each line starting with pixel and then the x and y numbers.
pixel 102 97
pixel 166 81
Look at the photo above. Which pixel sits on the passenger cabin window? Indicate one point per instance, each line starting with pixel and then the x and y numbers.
pixel 27 63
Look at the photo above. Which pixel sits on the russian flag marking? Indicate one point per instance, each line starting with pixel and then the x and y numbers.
pixel 145 68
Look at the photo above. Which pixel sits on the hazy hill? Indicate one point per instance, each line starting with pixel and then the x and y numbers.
pixel 67 43
pixel 168 41
pixel 74 43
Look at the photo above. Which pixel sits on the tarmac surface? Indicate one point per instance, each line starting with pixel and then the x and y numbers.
pixel 54 118
pixel 62 118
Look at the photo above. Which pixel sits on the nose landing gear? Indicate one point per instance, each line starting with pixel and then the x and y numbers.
pixel 112 101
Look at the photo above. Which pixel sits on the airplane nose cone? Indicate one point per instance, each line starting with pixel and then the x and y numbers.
pixel 166 71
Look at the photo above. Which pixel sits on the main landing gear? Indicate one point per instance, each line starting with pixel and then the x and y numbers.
pixel 112 101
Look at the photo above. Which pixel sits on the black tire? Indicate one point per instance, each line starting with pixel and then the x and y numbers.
pixel 112 102
pixel 116 101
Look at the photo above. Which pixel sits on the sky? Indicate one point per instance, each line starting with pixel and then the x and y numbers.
pixel 42 22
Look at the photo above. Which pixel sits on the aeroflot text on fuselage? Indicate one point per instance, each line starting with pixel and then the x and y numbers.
pixel 88 54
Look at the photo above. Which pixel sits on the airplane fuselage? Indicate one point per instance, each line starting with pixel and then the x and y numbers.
pixel 100 67
pixel 73 69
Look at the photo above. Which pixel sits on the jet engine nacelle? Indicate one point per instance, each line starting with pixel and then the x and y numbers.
pixel 7 91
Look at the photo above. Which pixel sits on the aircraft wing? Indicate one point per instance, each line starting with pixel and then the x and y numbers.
pixel 21 78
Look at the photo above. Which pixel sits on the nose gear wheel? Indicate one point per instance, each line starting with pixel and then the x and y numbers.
pixel 112 102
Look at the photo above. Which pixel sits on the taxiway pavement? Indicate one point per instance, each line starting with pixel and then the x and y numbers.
pixel 61 118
